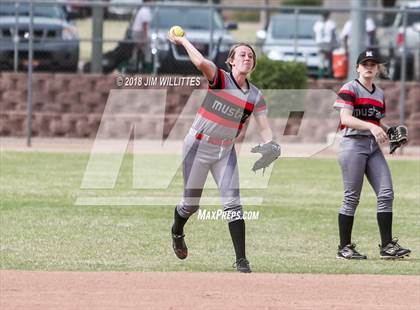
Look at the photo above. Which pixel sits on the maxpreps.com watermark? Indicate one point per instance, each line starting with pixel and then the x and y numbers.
pixel 214 215
pixel 159 81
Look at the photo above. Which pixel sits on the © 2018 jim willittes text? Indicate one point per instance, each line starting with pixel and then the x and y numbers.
pixel 160 81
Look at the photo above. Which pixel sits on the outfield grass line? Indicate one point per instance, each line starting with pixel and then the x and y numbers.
pixel 155 201
pixel 289 150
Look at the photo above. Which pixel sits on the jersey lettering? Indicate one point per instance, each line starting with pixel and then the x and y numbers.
pixel 236 113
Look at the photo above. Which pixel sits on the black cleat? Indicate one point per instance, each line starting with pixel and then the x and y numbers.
pixel 393 250
pixel 179 246
pixel 242 265
pixel 349 252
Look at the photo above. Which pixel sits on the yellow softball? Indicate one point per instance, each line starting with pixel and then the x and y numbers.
pixel 177 31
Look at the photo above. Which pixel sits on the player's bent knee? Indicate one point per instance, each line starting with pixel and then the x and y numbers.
pixel 233 212
pixel 385 200
pixel 348 210
pixel 234 216
pixel 385 205
pixel 233 219
pixel 187 210
pixel 350 203
pixel 385 208
pixel 351 200
pixel 232 206
pixel 386 195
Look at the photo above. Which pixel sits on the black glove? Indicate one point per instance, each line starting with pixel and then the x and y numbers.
pixel 398 136
pixel 270 151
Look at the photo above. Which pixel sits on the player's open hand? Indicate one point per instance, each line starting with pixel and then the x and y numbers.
pixel 173 39
pixel 379 134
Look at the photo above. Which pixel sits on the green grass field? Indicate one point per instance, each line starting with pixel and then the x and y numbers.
pixel 42 229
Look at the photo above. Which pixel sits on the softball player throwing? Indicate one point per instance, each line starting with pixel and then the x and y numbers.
pixel 209 145
pixel 362 106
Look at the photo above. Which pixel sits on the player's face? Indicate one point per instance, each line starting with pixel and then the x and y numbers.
pixel 243 60
pixel 368 69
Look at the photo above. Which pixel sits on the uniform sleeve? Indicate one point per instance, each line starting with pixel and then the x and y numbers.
pixel 218 81
pixel 260 106
pixel 346 98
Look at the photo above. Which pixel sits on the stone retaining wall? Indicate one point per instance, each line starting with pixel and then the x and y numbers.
pixel 68 105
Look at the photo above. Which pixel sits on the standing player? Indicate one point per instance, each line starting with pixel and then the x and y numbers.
pixel 362 106
pixel 369 34
pixel 326 40
pixel 141 29
pixel 209 145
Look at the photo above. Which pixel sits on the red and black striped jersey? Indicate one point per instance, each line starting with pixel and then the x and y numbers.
pixel 226 107
pixel 366 105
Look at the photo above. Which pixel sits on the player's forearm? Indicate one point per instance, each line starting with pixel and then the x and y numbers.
pixel 196 57
pixel 266 134
pixel 355 123
pixel 264 128
pixel 205 66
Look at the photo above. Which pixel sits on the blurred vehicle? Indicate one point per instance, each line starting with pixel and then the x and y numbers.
pixel 412 43
pixel 116 10
pixel 55 39
pixel 170 58
pixel 278 41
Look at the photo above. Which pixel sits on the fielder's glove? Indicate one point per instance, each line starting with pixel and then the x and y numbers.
pixel 270 151
pixel 398 136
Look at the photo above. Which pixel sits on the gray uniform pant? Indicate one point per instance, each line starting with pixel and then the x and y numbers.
pixel 200 157
pixel 359 156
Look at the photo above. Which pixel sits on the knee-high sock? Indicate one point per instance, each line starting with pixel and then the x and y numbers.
pixel 179 222
pixel 237 232
pixel 385 226
pixel 345 226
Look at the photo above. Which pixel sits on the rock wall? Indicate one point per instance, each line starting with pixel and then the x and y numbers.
pixel 68 105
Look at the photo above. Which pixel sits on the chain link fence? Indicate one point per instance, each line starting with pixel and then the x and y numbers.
pixel 103 37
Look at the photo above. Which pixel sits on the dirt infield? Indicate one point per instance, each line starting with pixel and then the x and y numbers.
pixel 181 290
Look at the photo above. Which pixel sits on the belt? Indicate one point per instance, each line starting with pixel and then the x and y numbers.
pixel 212 140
